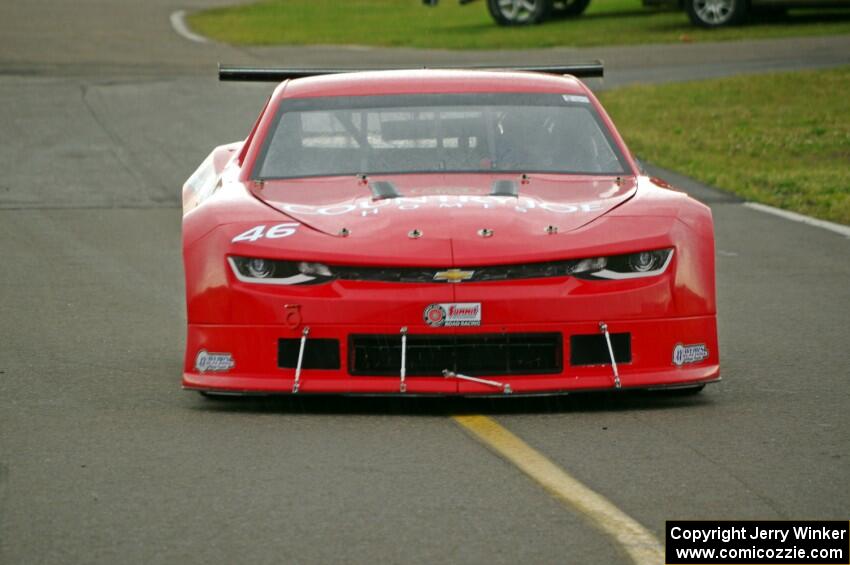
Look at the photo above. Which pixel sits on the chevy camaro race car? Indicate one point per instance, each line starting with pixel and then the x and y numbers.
pixel 441 232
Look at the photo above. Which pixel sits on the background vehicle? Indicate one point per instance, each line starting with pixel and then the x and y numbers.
pixel 703 13
pixel 722 13
pixel 528 12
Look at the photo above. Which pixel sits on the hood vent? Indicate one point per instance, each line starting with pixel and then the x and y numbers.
pixel 504 188
pixel 381 190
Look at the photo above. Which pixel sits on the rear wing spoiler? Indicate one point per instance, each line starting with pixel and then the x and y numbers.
pixel 274 74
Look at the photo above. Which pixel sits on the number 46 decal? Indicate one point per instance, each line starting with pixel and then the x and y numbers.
pixel 259 232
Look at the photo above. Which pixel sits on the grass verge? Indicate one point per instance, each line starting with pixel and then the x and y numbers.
pixel 781 139
pixel 407 23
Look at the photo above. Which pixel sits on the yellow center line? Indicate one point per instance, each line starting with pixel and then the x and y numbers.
pixel 640 545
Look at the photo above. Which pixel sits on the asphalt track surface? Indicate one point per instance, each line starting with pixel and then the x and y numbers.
pixel 104 111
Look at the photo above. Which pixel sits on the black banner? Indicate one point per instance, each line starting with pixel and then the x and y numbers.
pixel 757 542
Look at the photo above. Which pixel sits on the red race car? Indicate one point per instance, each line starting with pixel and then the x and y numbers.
pixel 441 232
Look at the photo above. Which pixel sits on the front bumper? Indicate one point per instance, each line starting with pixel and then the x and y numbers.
pixel 255 364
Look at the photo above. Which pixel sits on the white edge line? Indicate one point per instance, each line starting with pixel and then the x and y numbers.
pixel 178 22
pixel 795 217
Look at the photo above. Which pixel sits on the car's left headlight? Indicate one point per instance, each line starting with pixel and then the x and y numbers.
pixel 269 271
pixel 627 266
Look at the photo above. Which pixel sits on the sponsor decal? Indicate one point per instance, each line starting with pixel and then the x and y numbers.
pixel 695 353
pixel 213 362
pixel 371 208
pixel 453 314
pixel 259 232
pixel 575 98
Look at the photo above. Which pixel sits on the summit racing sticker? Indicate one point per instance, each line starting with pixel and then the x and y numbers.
pixel 213 362
pixel 453 314
pixel 695 353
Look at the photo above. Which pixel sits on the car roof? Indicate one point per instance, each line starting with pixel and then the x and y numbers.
pixel 428 81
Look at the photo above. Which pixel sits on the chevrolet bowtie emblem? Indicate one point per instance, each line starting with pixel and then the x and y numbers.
pixel 453 275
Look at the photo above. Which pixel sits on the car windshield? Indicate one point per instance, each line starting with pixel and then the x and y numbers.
pixel 549 133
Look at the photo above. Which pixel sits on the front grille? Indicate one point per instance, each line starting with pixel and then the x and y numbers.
pixel 592 349
pixel 475 355
pixel 478 274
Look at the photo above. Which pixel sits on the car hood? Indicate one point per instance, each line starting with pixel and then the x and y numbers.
pixel 457 207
